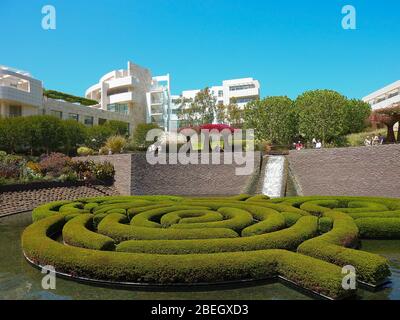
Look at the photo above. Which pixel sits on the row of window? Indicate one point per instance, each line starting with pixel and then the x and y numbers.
pixel 394 94
pixel 87 120
pixel 242 87
pixel 118 107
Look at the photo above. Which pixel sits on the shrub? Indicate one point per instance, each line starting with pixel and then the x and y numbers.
pixel 189 268
pixel 85 151
pixel 75 135
pixel 104 171
pixel 166 239
pixel 97 136
pixel 55 164
pixel 379 228
pixel 116 144
pixel 68 97
pixel 139 137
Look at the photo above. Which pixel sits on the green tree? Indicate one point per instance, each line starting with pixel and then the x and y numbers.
pixel 221 113
pixel 43 133
pixel 12 134
pixel 119 128
pixel 139 136
pixel 185 113
pixel 97 136
pixel 201 110
pixel 357 114
pixel 235 114
pixel 322 115
pixel 75 135
pixel 273 119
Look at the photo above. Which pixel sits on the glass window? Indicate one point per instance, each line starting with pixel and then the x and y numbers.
pixel 242 87
pixel 102 121
pixel 55 113
pixel 118 107
pixel 88 120
pixel 220 93
pixel 73 116
pixel 15 111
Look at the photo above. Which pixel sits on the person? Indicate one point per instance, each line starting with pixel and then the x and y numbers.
pixel 299 146
pixel 381 139
pixel 314 143
pixel 318 145
pixel 375 141
pixel 367 141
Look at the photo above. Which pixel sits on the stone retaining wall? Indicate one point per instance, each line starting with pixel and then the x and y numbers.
pixel 362 171
pixel 135 176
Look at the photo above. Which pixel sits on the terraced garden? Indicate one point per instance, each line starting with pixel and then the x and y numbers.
pixel 166 240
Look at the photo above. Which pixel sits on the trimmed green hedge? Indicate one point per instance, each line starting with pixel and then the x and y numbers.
pixel 375 228
pixel 76 232
pixel 307 272
pixel 170 239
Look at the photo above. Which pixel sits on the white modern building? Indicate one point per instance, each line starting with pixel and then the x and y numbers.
pixel 159 101
pixel 132 96
pixel 123 91
pixel 240 91
pixel 385 97
pixel 22 95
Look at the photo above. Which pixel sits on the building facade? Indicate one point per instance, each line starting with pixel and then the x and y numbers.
pixel 22 95
pixel 132 96
pixel 384 98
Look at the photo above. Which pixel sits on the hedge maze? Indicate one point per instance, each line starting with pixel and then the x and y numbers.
pixel 176 240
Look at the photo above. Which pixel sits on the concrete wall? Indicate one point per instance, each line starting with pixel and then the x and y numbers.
pixel 67 107
pixel 135 176
pixel 363 171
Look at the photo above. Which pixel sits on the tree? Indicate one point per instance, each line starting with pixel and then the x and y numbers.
pixel 201 110
pixel 97 136
pixel 75 135
pixel 322 115
pixel 139 136
pixel 357 115
pixel 185 113
pixel 273 119
pixel 43 133
pixel 221 113
pixel 119 128
pixel 12 135
pixel 235 114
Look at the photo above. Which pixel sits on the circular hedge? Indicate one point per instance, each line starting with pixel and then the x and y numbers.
pixel 176 240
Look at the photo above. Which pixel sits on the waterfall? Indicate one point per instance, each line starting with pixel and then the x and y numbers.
pixel 275 177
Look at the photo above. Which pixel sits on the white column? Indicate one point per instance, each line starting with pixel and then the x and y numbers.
pixel 3 112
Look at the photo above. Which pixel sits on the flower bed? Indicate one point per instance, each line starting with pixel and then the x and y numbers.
pixel 18 172
pixel 170 240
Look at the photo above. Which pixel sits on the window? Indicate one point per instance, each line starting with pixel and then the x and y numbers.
pixel 88 120
pixel 243 100
pixel 118 107
pixel 14 82
pixel 102 121
pixel 220 93
pixel 15 111
pixel 55 113
pixel 242 87
pixel 73 116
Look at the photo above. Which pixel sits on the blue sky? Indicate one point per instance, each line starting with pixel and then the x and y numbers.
pixel 289 45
